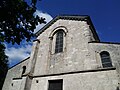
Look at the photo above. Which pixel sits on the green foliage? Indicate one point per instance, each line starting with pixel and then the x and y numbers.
pixel 17 20
pixel 3 64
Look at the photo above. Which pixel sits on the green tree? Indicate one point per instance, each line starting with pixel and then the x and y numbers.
pixel 3 64
pixel 17 22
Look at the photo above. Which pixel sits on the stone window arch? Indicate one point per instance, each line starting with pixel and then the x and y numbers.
pixel 58 40
pixel 105 59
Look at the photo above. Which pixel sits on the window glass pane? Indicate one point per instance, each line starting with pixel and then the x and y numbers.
pixel 106 61
pixel 55 85
pixel 60 50
pixel 107 65
pixel 59 42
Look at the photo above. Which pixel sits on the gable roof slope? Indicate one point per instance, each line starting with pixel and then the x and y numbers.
pixel 71 17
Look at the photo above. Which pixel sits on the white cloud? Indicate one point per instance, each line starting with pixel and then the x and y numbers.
pixel 17 54
pixel 47 17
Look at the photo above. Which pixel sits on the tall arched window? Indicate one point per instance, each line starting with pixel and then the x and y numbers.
pixel 105 58
pixel 59 42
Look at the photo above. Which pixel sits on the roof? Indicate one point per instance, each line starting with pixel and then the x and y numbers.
pixel 71 17
pixel 117 43
pixel 19 62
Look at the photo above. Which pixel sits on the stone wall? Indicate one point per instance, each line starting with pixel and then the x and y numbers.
pixel 79 65
pixel 14 76
pixel 101 80
pixel 96 48
pixel 75 48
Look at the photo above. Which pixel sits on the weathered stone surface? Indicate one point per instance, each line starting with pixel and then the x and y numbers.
pixel 102 80
pixel 14 77
pixel 75 49
pixel 79 65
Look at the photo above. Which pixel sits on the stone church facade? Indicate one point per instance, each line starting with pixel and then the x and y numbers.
pixel 67 55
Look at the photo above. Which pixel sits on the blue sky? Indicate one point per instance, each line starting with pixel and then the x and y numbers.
pixel 105 15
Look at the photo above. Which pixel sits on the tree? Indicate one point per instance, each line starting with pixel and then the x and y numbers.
pixel 3 64
pixel 17 22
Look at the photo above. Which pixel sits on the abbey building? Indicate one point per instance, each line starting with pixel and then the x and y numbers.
pixel 67 55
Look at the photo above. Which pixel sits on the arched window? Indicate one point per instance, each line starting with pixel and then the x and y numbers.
pixel 24 69
pixel 105 58
pixel 59 42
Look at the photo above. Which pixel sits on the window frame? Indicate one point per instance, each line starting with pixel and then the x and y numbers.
pixel 59 42
pixel 52 38
pixel 106 59
pixel 52 83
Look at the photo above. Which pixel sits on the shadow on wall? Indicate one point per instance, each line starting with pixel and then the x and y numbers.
pixel 117 88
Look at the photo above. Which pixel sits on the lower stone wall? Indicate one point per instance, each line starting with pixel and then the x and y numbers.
pixel 18 84
pixel 15 72
pixel 100 80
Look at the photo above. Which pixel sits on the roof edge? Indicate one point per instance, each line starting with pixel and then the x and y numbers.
pixel 117 43
pixel 66 17
pixel 71 17
pixel 92 28
pixel 19 63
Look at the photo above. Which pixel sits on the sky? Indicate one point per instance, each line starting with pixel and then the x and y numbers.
pixel 105 15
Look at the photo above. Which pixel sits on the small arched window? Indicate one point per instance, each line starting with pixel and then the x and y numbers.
pixel 59 42
pixel 24 69
pixel 106 60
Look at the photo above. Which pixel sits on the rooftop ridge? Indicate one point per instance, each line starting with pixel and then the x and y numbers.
pixel 70 17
